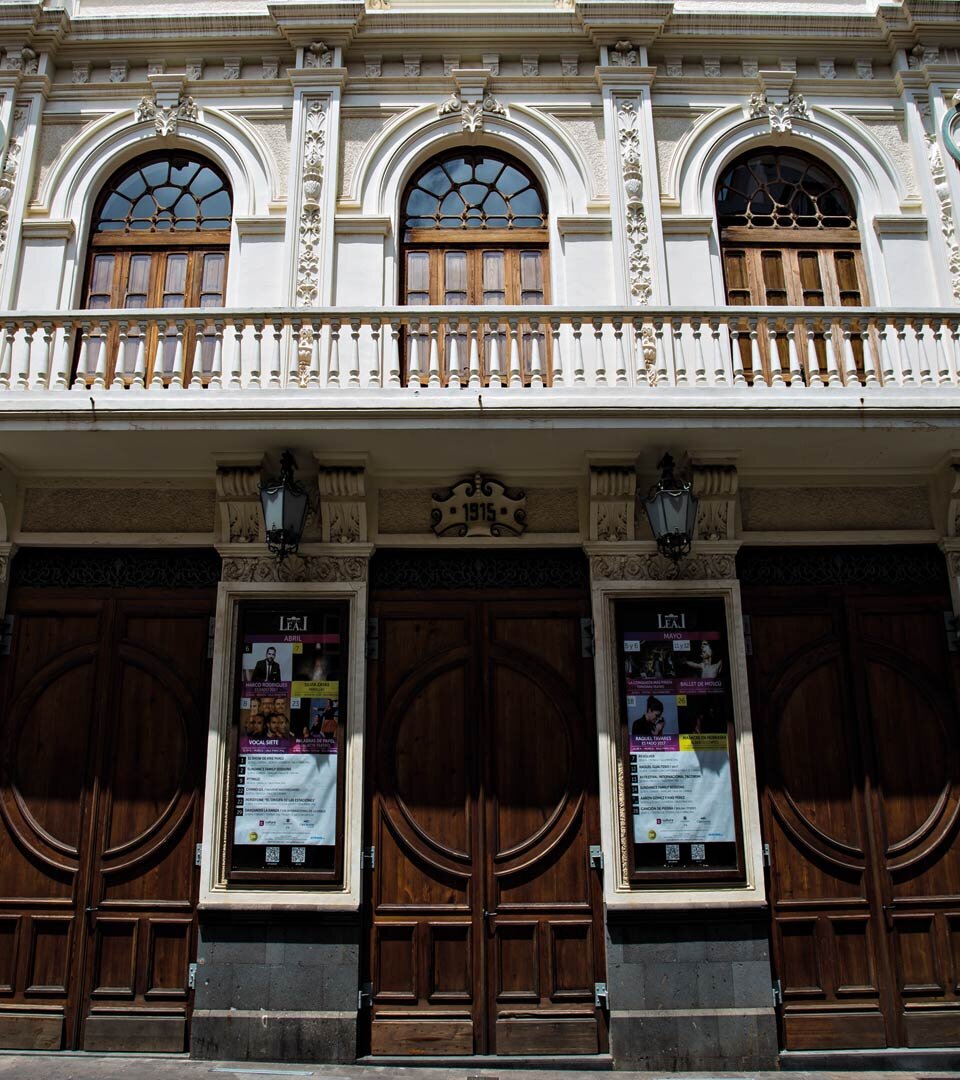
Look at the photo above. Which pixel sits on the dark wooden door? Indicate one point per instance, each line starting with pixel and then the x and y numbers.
pixel 485 917
pixel 103 736
pixel 859 755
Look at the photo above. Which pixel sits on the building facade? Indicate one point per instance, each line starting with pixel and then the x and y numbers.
pixel 477 771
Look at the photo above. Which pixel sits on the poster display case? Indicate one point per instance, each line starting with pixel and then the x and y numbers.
pixel 682 803
pixel 285 808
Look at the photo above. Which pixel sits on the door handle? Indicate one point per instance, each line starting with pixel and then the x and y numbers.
pixel 487 916
pixel 90 912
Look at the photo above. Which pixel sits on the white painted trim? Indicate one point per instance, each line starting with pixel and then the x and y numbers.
pixel 260 226
pixel 618 892
pixel 215 893
pixel 48 230
pixel 901 225
pixel 367 225
pixel 687 225
pixel 584 225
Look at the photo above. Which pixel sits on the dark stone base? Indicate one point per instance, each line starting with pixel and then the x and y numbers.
pixel 277 988
pixel 690 991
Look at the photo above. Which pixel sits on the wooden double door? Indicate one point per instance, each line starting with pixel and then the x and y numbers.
pixel 485 927
pixel 858 742
pixel 102 735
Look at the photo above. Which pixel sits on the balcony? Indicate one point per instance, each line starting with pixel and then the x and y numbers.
pixel 542 357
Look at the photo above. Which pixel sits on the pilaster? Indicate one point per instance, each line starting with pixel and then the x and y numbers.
pixel 613 502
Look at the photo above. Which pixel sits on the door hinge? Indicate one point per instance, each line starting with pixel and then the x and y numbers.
pixel 952 626
pixel 6 634
pixel 596 857
pixel 192 977
pixel 368 858
pixel 601 999
pixel 211 636
pixel 587 646
pixel 766 855
pixel 372 645
pixel 365 996
pixel 198 854
pixel 777 993
pixel 747 636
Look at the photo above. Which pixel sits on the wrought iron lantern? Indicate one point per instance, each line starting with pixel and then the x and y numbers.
pixel 672 511
pixel 284 504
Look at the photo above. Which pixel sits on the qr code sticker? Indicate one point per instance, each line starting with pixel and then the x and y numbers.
pixel 298 856
pixel 273 856
pixel 673 852
pixel 698 852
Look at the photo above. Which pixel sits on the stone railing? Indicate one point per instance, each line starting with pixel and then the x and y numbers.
pixel 442 349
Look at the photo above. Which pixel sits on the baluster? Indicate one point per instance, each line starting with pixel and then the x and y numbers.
pixel 940 351
pixel 61 373
pixel 453 362
pixel 274 362
pixel 353 376
pixel 679 358
pixel 869 360
pixel 493 359
pixel 313 371
pixel 851 376
pixel 120 364
pixel 374 377
pixel 256 372
pixel 21 380
pixel 954 325
pixel 235 379
pixel 556 352
pixel 392 362
pixel 920 334
pixel 139 380
pixel 83 360
pixel 333 363
pixel 215 382
pixel 641 375
pixel 599 360
pixel 196 368
pixel 156 381
pixel 474 377
pixel 719 367
pixel 98 334
pixel 41 377
pixel 413 360
pixel 516 375
pixel 773 352
pixel 6 355
pixel 433 374
pixel 793 357
pixel 833 365
pixel 536 372
pixel 179 359
pixel 699 364
pixel 736 355
pixel 297 345
pixel 814 378
pixel 660 355
pixel 619 350
pixel 887 373
pixel 903 354
pixel 756 361
pixel 578 374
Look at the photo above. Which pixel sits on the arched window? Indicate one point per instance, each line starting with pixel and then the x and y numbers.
pixel 788 235
pixel 474 231
pixel 159 239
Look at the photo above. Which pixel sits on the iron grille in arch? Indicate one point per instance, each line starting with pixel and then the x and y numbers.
pixel 115 568
pixel 906 567
pixel 479 570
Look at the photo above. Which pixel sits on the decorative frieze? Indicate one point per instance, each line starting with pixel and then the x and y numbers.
pixel 309 230
pixel 636 225
pixel 827 67
pixel 673 66
pixel 195 70
pixel 491 61
pixel 530 65
pixel 343 505
pixel 863 68
pixel 613 502
pixel 239 516
pixel 411 65
pixel 569 65
pixel 652 566
pixel 712 67
pixel 266 568
pixel 270 67
pixel 373 66
pixel 166 118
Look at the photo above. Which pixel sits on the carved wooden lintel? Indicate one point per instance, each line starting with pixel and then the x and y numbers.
pixel 613 502
pixel 239 517
pixel 479 507
pixel 715 485
pixel 652 566
pixel 306 568
pixel 343 504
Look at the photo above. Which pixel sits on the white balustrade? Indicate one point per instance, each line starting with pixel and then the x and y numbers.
pixel 446 350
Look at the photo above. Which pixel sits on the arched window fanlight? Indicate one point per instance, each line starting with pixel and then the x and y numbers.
pixel 169 193
pixel 474 189
pixel 776 188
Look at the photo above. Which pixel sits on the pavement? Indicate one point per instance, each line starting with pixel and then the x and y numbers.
pixel 81 1066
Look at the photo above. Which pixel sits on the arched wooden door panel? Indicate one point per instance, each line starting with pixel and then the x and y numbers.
pixel 485 928
pixel 104 736
pixel 859 758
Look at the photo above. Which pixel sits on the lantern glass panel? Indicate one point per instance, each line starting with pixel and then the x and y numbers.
pixel 272 500
pixel 294 513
